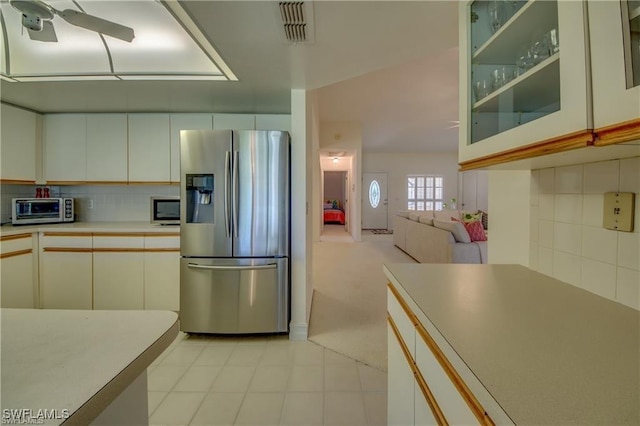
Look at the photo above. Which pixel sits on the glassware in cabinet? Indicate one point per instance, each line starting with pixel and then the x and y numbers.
pixel 514 64
pixel 544 105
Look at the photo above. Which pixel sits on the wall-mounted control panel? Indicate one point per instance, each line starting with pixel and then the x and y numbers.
pixel 619 209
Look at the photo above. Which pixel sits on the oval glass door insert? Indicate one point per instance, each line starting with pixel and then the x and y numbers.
pixel 374 193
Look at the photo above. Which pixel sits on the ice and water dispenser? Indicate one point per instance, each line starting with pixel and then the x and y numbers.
pixel 200 198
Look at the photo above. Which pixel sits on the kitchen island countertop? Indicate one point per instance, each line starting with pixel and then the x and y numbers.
pixel 74 363
pixel 547 352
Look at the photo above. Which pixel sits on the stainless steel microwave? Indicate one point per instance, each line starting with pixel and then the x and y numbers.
pixel 165 210
pixel 25 211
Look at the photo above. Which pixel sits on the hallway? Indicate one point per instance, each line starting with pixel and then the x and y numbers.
pixel 348 312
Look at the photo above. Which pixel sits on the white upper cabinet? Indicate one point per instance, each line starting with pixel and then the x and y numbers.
pixel 149 148
pixel 273 122
pixel 614 28
pixel 17 144
pixel 65 148
pixel 107 148
pixel 234 122
pixel 185 122
pixel 522 75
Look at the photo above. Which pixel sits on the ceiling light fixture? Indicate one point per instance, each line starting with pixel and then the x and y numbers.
pixel 184 53
pixel 335 160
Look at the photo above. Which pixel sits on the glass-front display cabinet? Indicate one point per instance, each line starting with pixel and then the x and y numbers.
pixel 631 35
pixel 614 28
pixel 523 74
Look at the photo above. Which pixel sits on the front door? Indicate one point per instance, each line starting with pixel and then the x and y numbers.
pixel 374 202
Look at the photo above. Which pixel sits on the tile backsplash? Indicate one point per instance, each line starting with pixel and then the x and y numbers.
pixel 567 239
pixel 111 203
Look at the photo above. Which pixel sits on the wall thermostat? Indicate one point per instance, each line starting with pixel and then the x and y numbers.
pixel 619 209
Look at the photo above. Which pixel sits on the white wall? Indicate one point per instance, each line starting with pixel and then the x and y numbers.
pixel 568 241
pixel 508 240
pixel 398 165
pixel 303 117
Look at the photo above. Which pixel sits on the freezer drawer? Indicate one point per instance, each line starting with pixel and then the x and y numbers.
pixel 234 296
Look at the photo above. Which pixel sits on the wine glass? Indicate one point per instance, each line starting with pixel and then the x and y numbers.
pixel 496 12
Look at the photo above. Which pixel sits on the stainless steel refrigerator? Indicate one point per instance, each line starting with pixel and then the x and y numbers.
pixel 234 231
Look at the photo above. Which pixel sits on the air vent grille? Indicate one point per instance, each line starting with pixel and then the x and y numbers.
pixel 293 20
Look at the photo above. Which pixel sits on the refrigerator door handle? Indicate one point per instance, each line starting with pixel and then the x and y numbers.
pixel 232 268
pixel 234 194
pixel 227 173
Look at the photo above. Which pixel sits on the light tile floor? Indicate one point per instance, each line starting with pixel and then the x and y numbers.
pixel 212 380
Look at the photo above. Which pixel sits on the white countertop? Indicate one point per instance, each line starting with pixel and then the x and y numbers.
pixel 90 227
pixel 77 360
pixel 548 352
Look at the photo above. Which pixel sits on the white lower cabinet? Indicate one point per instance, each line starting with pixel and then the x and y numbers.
pixel 91 270
pixel 401 384
pixel 65 271
pixel 449 399
pixel 17 273
pixel 162 272
pixel 118 271
pixel 422 411
pixel 423 386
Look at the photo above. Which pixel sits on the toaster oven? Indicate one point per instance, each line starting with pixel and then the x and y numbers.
pixel 27 211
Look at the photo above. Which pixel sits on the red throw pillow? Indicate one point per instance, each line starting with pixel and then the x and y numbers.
pixel 474 229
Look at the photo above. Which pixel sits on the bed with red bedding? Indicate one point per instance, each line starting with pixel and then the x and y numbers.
pixel 334 216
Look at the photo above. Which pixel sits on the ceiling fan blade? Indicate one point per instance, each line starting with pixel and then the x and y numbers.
pixel 99 25
pixel 47 34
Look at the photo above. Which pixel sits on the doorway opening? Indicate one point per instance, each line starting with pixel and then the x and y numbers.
pixel 335 206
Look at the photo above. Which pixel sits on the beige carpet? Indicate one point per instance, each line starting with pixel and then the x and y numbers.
pixel 348 312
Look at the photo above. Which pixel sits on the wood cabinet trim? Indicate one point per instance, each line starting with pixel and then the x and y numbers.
pixel 67 234
pixel 15 253
pixel 106 182
pixel 118 234
pixel 422 384
pixel 18 181
pixel 118 250
pixel 581 139
pixel 475 406
pixel 455 378
pixel 109 250
pixel 158 234
pixel 66 182
pixel 67 250
pixel 617 133
pixel 405 307
pixel 14 237
pixel 162 182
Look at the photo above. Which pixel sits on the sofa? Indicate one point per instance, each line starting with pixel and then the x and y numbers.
pixel 433 237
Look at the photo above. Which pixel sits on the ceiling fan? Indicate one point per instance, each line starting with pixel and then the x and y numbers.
pixel 37 16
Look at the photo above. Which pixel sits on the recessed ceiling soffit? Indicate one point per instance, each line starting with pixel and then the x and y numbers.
pixel 104 40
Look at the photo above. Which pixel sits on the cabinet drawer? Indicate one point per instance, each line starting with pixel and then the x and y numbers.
pixel 162 242
pixel 456 403
pixel 15 243
pixel 115 241
pixel 404 323
pixel 66 240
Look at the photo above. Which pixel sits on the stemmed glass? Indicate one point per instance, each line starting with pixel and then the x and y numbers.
pixel 496 12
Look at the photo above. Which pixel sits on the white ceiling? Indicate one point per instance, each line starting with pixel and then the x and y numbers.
pixel 392 65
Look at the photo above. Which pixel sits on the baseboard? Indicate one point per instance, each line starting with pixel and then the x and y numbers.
pixel 298 331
